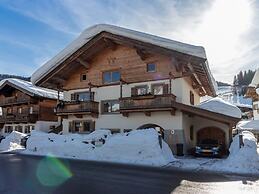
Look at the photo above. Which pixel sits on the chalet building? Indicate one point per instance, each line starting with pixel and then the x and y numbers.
pixel 24 107
pixel 253 92
pixel 119 79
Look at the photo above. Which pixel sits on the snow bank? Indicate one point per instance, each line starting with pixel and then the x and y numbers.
pixel 12 141
pixel 220 106
pixel 35 90
pixel 244 159
pixel 136 147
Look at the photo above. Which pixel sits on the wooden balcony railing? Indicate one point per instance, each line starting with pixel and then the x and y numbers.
pixel 19 118
pixel 78 107
pixel 147 104
pixel 14 100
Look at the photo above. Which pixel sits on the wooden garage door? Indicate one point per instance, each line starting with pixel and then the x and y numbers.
pixel 211 133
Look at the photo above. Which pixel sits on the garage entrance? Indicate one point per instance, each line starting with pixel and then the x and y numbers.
pixel 211 133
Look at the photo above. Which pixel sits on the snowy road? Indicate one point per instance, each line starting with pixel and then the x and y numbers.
pixel 29 174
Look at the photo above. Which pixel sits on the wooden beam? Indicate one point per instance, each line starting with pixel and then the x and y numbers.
pixel 84 63
pixel 110 43
pixel 196 77
pixel 140 53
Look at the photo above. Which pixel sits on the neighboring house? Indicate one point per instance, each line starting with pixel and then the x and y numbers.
pixel 232 95
pixel 24 107
pixel 120 79
pixel 253 92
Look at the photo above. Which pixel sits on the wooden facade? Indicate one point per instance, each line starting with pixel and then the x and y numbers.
pixel 20 107
pixel 106 52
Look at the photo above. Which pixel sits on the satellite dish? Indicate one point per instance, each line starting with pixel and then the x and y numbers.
pixel 257 90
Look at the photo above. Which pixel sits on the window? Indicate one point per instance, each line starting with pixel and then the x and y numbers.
pixel 139 90
pixel 151 67
pixel 27 129
pixel 110 106
pixel 191 132
pixel 159 89
pixel 1 111
pixel 9 111
pixel 8 129
pixel 81 126
pixel 18 128
pixel 111 77
pixel 20 110
pixel 83 77
pixel 191 98
pixel 31 110
pixel 82 96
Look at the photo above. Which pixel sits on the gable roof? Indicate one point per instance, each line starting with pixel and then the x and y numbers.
pixel 29 88
pixel 90 33
pixel 255 81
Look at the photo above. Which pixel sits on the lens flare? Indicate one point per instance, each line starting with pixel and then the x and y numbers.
pixel 52 172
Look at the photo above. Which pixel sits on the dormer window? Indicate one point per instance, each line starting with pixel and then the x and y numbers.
pixel 151 67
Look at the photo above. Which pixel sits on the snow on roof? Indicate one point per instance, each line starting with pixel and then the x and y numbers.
pixel 220 106
pixel 255 80
pixel 248 125
pixel 30 88
pixel 90 32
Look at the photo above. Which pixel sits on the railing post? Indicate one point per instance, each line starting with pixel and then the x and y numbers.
pixel 120 88
pixel 170 83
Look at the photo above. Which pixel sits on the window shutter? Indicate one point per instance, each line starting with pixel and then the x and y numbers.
pixel 133 91
pixel 165 89
pixel 73 97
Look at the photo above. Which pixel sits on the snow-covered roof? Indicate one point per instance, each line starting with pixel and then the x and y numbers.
pixel 30 88
pixel 255 80
pixel 90 32
pixel 248 125
pixel 220 106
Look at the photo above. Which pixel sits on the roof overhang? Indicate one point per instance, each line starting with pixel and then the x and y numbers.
pixel 102 39
pixel 196 111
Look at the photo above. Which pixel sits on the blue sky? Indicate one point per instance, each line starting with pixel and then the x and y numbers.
pixel 31 32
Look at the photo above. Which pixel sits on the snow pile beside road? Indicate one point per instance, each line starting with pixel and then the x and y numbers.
pixel 244 159
pixel 70 146
pixel 12 141
pixel 136 147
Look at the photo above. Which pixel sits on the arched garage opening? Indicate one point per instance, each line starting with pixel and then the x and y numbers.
pixel 214 133
pixel 159 129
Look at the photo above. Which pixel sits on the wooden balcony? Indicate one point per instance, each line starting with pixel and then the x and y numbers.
pixel 15 101
pixel 147 104
pixel 78 108
pixel 19 118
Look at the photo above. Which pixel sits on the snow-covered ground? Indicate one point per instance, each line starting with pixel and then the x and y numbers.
pixel 136 147
pixel 244 160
